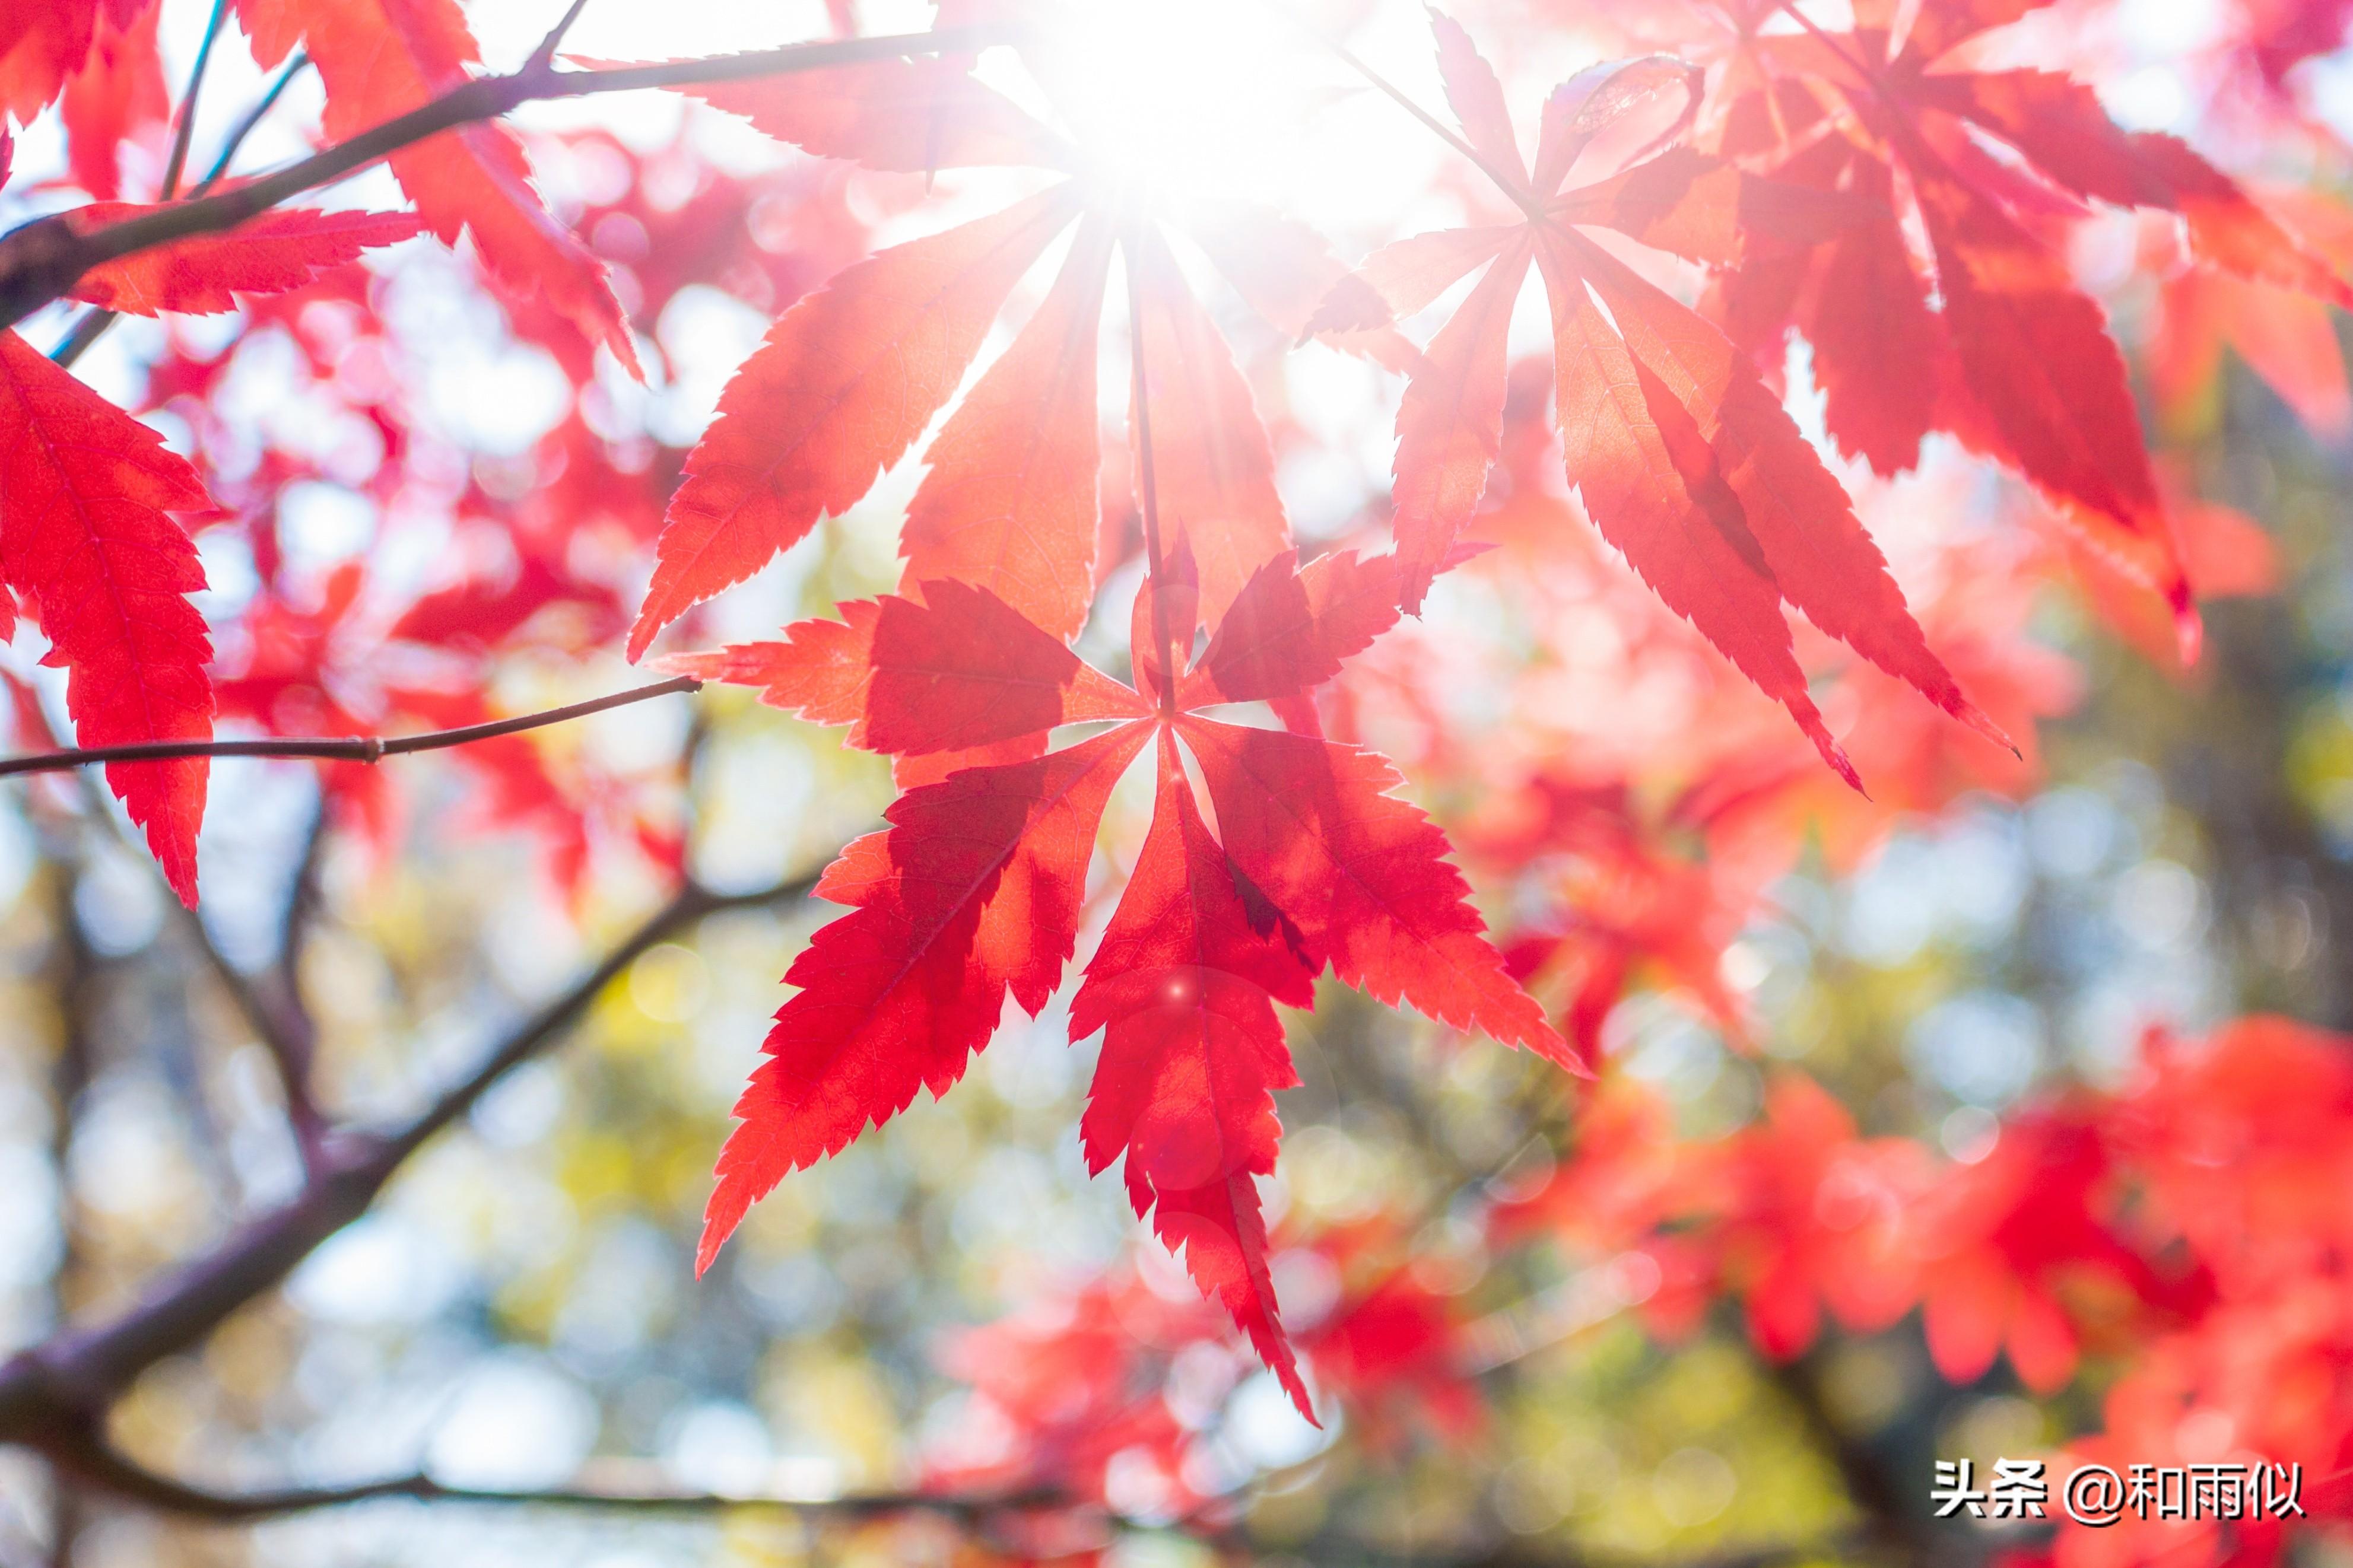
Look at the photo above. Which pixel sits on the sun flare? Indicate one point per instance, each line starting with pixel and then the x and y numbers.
pixel 1184 100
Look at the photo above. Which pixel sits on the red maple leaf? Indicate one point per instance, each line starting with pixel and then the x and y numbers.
pixel 2013 358
pixel 2283 334
pixel 2264 1384
pixel 2239 1140
pixel 87 545
pixel 2014 1243
pixel 974 892
pixel 1812 1216
pixel 270 254
pixel 1623 903
pixel 849 377
pixel 1066 1387
pixel 379 58
pixel 1396 1351
pixel 117 98
pixel 1684 460
pixel 43 42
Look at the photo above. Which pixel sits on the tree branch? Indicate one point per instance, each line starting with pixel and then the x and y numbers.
pixel 42 260
pixel 1890 1517
pixel 73 1375
pixel 349 749
pixel 94 1462
pixel 284 1032
pixel 76 1065
pixel 86 332
pixel 294 1040
pixel 285 1036
pixel 693 903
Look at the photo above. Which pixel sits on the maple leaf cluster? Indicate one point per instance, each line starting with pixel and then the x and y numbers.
pixel 1679 453
pixel 2185 1226
pixel 1878 192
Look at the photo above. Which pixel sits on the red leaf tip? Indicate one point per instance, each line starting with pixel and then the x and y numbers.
pixel 1969 713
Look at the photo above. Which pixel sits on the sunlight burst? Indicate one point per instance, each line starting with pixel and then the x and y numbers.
pixel 1185 99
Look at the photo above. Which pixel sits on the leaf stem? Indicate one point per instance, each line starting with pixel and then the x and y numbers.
pixel 1521 195
pixel 1147 485
pixel 1862 68
pixel 350 749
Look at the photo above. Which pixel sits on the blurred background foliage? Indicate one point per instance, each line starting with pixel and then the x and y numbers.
pixel 522 1303
pixel 520 1311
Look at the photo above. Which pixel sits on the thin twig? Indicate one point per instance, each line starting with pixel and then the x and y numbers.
pixel 253 116
pixel 96 320
pixel 86 332
pixel 296 1041
pixel 281 1020
pixel 543 57
pixel 288 1037
pixel 188 126
pixel 42 260
pixel 93 325
pixel 327 748
pixel 693 903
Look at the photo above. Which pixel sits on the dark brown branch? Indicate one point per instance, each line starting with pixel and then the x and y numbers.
pixel 76 1373
pixel 95 1463
pixel 42 262
pixel 76 1065
pixel 278 1020
pixel 347 749
pixel 693 903
pixel 1890 1517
